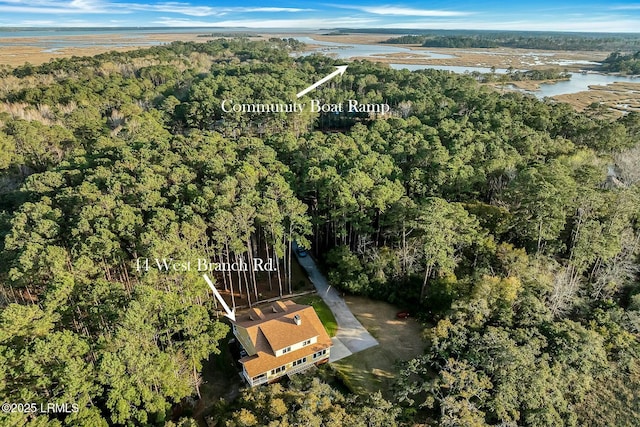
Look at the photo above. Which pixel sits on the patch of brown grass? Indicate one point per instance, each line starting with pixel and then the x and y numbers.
pixel 399 340
pixel 30 51
pixel 619 97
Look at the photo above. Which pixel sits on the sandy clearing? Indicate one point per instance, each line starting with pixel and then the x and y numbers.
pixel 399 340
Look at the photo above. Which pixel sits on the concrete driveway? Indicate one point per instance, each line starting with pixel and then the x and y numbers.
pixel 351 336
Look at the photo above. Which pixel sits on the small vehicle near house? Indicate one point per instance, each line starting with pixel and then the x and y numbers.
pixel 402 314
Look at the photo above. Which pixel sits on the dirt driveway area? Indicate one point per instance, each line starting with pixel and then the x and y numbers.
pixel 399 340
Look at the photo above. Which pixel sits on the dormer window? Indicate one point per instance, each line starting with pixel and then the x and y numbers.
pixel 286 350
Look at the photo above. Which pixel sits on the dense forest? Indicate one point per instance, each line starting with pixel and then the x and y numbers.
pixel 621 63
pixel 539 41
pixel 510 226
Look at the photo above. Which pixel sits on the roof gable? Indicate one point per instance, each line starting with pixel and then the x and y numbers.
pixel 283 331
pixel 274 329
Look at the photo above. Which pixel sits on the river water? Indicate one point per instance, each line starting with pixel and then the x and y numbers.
pixel 579 82
pixel 352 50
pixel 55 39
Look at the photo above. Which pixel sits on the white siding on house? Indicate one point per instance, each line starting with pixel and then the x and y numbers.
pixel 293 367
pixel 279 352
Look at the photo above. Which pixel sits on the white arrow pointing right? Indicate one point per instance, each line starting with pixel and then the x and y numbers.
pixel 340 71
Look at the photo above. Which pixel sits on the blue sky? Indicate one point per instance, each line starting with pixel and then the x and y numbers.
pixel 544 15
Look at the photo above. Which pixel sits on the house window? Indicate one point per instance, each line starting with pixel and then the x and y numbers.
pixel 277 370
pixel 286 350
pixel 259 377
pixel 299 361
pixel 320 353
pixel 307 342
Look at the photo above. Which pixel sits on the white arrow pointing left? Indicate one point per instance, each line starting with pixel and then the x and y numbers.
pixel 340 71
pixel 231 314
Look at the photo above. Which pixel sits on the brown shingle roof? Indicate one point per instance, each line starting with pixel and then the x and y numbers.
pixel 283 332
pixel 264 362
pixel 255 316
pixel 277 330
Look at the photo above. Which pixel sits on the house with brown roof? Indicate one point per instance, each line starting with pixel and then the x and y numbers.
pixel 283 339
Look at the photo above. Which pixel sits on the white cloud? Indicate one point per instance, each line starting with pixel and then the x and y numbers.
pixel 183 13
pixel 312 23
pixel 178 8
pixel 404 11
pixel 626 7
pixel 108 7
pixel 596 26
pixel 389 10
pixel 37 23
pixel 58 23
pixel 51 10
pixel 86 5
pixel 28 3
pixel 268 9
pixel 200 11
pixel 48 7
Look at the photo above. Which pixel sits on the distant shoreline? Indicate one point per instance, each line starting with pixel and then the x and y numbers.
pixel 36 50
pixel 38 46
